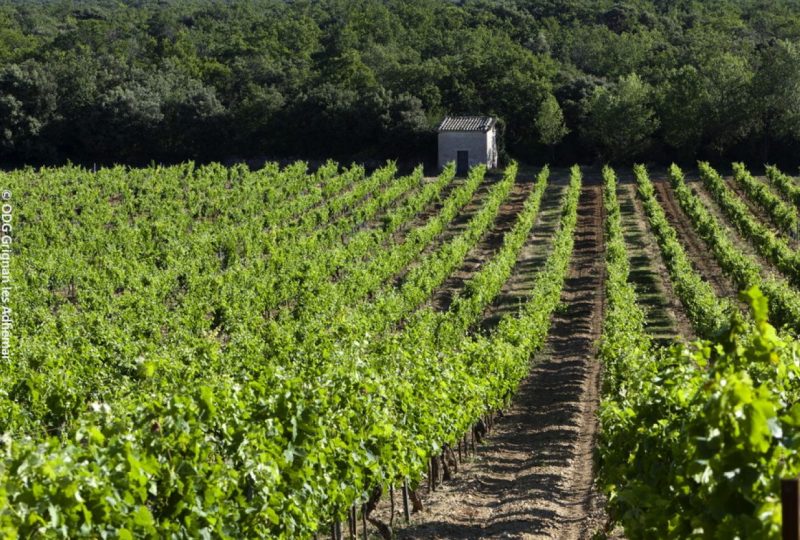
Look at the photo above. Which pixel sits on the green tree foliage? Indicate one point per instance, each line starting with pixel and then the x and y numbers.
pixel 777 84
pixel 137 81
pixel 550 122
pixel 621 119
pixel 27 105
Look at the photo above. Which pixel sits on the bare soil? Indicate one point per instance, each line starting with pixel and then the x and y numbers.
pixel 696 249
pixel 666 317
pixel 534 253
pixel 534 476
pixel 486 247
pixel 455 227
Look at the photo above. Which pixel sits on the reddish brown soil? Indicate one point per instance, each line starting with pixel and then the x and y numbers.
pixel 455 227
pixel 650 273
pixel 534 477
pixel 696 249
pixel 486 247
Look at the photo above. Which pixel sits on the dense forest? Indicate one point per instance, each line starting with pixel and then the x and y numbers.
pixel 136 81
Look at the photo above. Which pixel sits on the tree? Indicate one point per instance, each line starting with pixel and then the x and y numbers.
pixel 550 122
pixel 727 113
pixel 28 102
pixel 621 119
pixel 776 87
pixel 682 100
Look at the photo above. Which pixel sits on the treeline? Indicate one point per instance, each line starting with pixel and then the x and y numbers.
pixel 575 80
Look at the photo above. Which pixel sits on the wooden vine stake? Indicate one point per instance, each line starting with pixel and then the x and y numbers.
pixel 351 522
pixel 446 474
pixel 428 465
pixel 364 521
pixel 433 473
pixel 790 508
pixel 406 510
pixel 391 506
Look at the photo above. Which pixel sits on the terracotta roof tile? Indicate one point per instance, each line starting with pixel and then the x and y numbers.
pixel 466 123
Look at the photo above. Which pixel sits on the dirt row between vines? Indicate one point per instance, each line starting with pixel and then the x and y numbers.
pixel 487 246
pixel 666 317
pixel 534 475
pixel 516 290
pixel 696 249
pixel 455 227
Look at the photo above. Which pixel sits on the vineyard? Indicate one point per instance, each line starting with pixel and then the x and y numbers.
pixel 214 352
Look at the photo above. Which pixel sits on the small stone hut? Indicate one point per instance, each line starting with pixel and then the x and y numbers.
pixel 467 140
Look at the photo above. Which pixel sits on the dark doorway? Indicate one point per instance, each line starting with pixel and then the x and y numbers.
pixel 462 163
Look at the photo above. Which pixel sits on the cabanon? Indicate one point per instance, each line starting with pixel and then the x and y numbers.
pixel 467 140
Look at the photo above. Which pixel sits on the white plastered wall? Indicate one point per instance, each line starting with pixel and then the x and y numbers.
pixel 474 142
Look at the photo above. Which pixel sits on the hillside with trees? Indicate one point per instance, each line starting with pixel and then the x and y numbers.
pixel 136 81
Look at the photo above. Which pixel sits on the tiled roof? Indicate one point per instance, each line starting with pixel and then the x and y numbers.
pixel 466 123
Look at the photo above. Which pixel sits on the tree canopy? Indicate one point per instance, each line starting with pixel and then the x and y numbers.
pixel 142 80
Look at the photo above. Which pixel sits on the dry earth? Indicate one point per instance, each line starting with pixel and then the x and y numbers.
pixel 534 476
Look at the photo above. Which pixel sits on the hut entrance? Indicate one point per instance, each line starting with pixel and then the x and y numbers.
pixel 462 163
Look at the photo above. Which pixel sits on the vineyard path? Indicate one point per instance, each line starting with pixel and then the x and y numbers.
pixel 534 474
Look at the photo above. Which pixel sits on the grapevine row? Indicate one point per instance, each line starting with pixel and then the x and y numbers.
pixel 487 283
pixel 764 240
pixel 281 210
pixel 785 184
pixel 54 387
pixel 624 323
pixel 365 278
pixel 743 270
pixel 707 313
pixel 783 215
pixel 718 412
pixel 259 453
pixel 391 305
pixel 298 263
